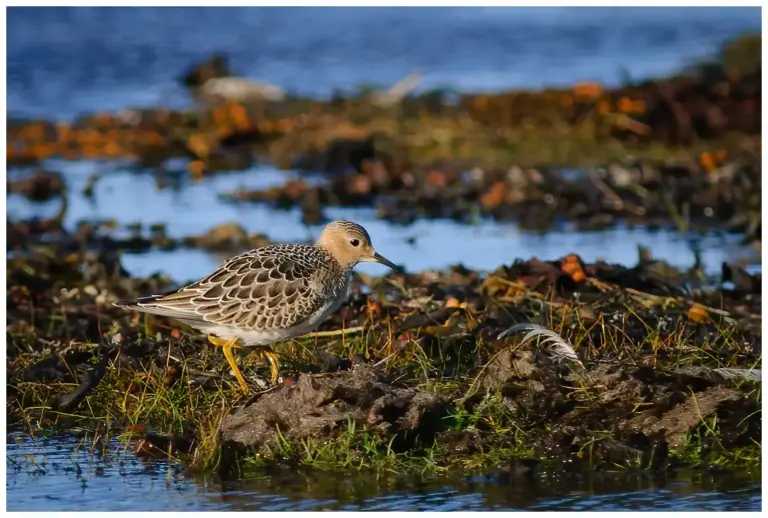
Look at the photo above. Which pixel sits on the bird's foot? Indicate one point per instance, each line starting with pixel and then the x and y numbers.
pixel 226 347
pixel 274 363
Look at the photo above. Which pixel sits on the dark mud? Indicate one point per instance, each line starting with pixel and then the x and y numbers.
pixel 321 407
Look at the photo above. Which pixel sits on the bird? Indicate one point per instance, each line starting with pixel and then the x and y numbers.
pixel 269 294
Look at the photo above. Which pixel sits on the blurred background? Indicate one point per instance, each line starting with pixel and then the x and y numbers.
pixel 65 62
pixel 112 102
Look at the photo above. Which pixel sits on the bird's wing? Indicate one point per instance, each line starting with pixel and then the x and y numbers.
pixel 263 289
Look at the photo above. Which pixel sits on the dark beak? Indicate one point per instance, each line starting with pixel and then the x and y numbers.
pixel 386 262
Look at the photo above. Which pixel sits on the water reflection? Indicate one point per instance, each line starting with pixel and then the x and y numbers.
pixel 549 491
pixel 62 473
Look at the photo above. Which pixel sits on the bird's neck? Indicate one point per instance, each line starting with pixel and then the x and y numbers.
pixel 340 263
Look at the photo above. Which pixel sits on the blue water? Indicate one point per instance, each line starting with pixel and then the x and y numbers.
pixel 43 476
pixel 64 61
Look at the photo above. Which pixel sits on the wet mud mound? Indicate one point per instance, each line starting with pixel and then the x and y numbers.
pixel 323 407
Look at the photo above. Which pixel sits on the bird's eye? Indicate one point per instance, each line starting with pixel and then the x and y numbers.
pixel 355 242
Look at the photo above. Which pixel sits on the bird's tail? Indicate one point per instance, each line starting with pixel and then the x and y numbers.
pixel 138 303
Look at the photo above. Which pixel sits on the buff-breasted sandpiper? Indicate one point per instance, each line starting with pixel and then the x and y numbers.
pixel 269 294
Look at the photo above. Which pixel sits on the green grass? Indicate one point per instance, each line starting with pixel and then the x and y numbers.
pixel 702 447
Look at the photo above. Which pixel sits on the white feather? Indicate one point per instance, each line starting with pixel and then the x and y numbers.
pixel 557 346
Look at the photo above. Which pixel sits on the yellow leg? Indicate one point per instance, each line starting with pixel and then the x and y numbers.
pixel 274 364
pixel 226 347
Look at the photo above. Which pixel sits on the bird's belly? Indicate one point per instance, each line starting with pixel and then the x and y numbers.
pixel 264 337
pixel 249 337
